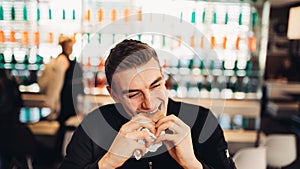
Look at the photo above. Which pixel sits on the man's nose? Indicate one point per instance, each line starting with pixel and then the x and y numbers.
pixel 147 100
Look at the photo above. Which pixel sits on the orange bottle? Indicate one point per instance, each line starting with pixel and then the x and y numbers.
pixel 2 37
pixel 224 42
pixel 139 13
pixel 179 41
pixel 12 36
pixel 252 44
pixel 126 14
pixel 237 43
pixel 50 37
pixel 192 42
pixel 25 40
pixel 100 15
pixel 36 38
pixel 202 42
pixel 88 15
pixel 213 42
pixel 113 15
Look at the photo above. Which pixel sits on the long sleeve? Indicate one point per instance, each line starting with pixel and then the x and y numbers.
pixel 81 152
pixel 93 138
pixel 213 151
pixel 218 155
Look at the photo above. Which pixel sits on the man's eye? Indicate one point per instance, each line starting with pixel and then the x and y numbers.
pixel 132 95
pixel 155 86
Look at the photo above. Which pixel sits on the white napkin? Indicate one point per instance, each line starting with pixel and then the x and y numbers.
pixel 152 148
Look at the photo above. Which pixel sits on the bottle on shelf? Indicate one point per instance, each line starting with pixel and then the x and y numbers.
pixel 100 14
pixel 114 14
pixel 2 37
pixel 1 13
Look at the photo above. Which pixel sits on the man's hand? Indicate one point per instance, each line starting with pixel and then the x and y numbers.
pixel 179 143
pixel 126 143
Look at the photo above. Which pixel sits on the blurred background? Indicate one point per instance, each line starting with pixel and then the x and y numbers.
pixel 240 58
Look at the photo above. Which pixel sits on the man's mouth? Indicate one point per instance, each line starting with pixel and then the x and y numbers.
pixel 155 110
pixel 154 114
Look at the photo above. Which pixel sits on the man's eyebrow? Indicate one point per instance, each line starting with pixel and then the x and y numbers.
pixel 129 91
pixel 156 81
pixel 137 90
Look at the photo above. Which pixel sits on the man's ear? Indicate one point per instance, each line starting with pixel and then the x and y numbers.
pixel 109 89
pixel 163 75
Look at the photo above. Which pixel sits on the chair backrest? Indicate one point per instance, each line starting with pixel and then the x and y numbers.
pixel 281 149
pixel 250 158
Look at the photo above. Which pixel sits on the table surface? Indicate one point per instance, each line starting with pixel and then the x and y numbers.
pixel 231 107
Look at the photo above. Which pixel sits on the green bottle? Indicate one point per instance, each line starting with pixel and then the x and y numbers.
pixel 181 16
pixel 1 58
pixel 38 14
pixel 203 16
pixel 226 18
pixel 1 13
pixel 193 20
pixel 73 14
pixel 13 59
pixel 191 64
pixel 13 13
pixel 50 13
pixel 241 19
pixel 99 38
pixel 215 18
pixel 254 19
pixel 113 38
pixel 64 14
pixel 25 13
pixel 39 59
pixel 89 37
pixel 26 61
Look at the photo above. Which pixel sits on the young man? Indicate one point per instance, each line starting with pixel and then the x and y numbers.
pixel 142 119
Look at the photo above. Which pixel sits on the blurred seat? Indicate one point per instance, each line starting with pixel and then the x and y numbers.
pixel 278 103
pixel 250 158
pixel 281 149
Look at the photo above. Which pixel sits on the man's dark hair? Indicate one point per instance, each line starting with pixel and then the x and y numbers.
pixel 127 54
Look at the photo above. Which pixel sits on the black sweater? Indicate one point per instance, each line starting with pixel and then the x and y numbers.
pixel 94 136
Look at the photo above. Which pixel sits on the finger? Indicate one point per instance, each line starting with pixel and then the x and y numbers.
pixel 132 126
pixel 170 125
pixel 141 148
pixel 172 118
pixel 167 137
pixel 147 119
pixel 139 135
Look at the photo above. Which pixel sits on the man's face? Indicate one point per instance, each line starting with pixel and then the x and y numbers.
pixel 141 90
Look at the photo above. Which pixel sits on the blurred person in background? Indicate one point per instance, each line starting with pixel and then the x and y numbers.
pixel 62 83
